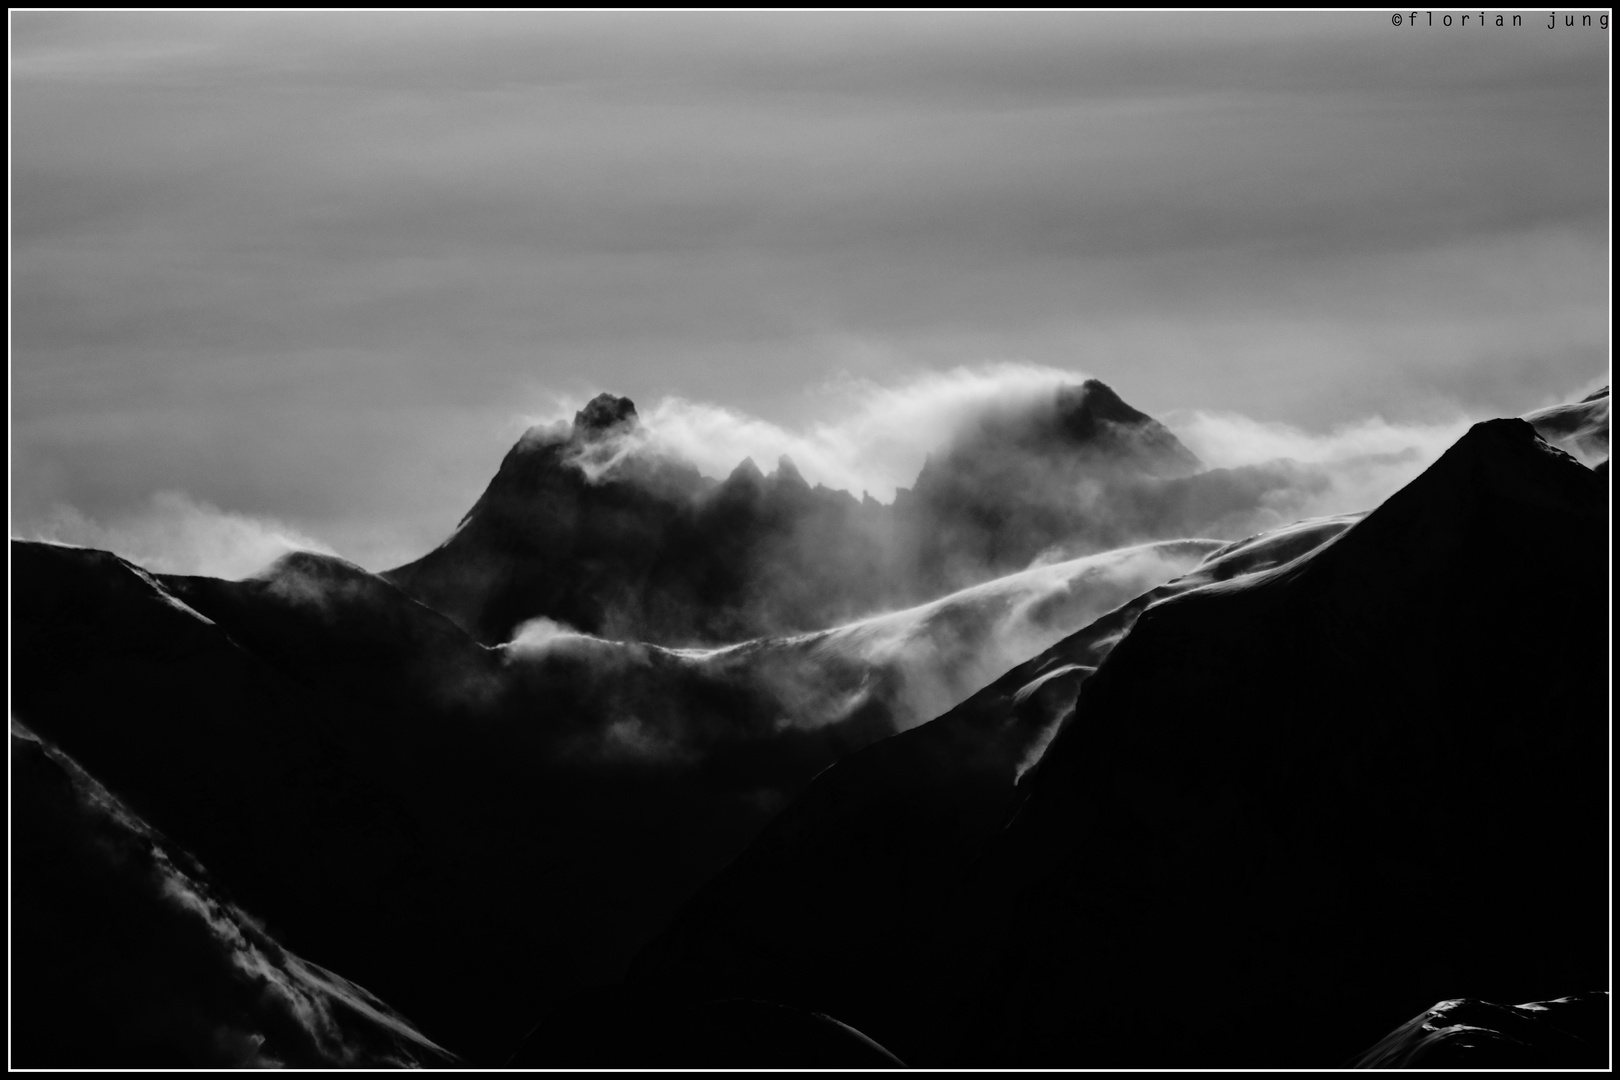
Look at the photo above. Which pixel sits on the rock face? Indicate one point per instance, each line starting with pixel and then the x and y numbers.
pixel 595 528
pixel 606 413
pixel 1464 1033
pixel 1290 807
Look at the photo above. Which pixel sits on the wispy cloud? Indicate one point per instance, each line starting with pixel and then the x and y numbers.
pixel 1228 440
pixel 881 434
pixel 257 255
pixel 877 441
pixel 1348 468
pixel 176 534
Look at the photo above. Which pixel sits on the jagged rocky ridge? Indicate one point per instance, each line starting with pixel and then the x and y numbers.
pixel 595 528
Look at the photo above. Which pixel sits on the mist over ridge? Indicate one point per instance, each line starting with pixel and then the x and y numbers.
pixel 865 436
pixel 607 523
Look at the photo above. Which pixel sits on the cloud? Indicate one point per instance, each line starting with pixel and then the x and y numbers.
pixel 1579 428
pixel 799 562
pixel 940 653
pixel 883 433
pixel 1262 474
pixel 878 442
pixel 1229 440
pixel 1348 468
pixel 176 534
pixel 248 247
pixel 628 701
pixel 540 636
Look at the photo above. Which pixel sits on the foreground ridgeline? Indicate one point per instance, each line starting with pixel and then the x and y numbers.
pixel 644 769
pixel 131 957
pixel 1567 1033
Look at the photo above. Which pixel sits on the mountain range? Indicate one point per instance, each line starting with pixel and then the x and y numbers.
pixel 1048 762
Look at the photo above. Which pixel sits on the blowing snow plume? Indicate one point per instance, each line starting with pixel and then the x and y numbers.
pixel 1579 428
pixel 176 534
pixel 863 680
pixel 607 525
pixel 875 438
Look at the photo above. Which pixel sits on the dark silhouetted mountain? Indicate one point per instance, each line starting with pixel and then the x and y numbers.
pixel 553 535
pixel 897 825
pixel 596 528
pixel 128 956
pixel 1293 808
pixel 1300 753
pixel 467 850
pixel 1565 1033
pixel 301 798
pixel 527 816
pixel 340 627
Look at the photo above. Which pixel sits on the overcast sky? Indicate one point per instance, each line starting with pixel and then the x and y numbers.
pixel 319 268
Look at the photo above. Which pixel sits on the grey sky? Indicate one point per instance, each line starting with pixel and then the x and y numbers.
pixel 317 267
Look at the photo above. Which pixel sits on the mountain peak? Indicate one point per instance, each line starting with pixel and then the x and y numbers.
pixel 1089 420
pixel 1507 455
pixel 745 475
pixel 1081 409
pixel 788 473
pixel 1102 402
pixel 606 412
